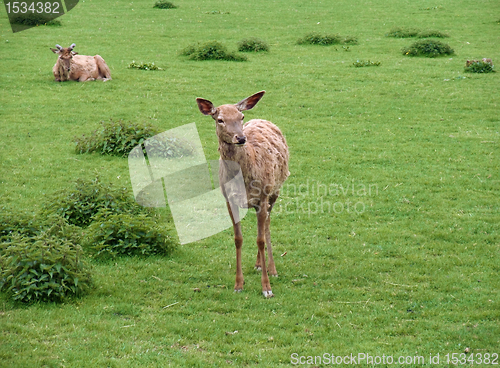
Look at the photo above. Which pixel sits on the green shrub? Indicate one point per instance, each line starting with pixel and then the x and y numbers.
pixel 143 66
pixel 479 67
pixel 161 4
pixel 398 32
pixel 79 204
pixel 125 234
pixel 326 39
pixel 167 147
pixel 115 138
pixel 43 268
pixel 252 45
pixel 212 50
pixel 34 19
pixel 12 223
pixel 362 63
pixel 429 48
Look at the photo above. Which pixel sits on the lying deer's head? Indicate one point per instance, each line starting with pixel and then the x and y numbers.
pixel 65 56
pixel 229 118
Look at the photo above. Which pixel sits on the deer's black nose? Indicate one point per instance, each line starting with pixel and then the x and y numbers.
pixel 241 140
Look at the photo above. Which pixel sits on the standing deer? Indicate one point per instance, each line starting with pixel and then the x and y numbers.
pixel 261 151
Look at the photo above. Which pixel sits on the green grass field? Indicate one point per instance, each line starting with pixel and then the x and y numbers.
pixel 386 235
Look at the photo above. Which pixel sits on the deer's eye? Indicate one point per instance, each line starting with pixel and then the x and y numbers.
pixel 242 117
pixel 220 121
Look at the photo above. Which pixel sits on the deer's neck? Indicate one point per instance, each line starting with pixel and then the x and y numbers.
pixel 235 153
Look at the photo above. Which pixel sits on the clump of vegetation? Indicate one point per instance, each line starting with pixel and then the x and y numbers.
pixel 115 138
pixel 252 45
pixel 398 32
pixel 115 234
pixel 362 63
pixel 79 204
pixel 479 67
pixel 167 147
pixel 212 50
pixel 43 268
pixel 162 4
pixel 326 39
pixel 217 12
pixel 143 66
pixel 35 19
pixel 428 48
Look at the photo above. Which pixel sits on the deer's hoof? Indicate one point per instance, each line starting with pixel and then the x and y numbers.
pixel 258 268
pixel 268 294
pixel 238 290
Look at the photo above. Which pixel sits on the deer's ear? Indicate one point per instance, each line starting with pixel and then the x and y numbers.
pixel 249 102
pixel 206 107
pixel 55 51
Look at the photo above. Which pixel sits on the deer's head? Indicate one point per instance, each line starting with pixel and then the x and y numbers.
pixel 65 56
pixel 229 118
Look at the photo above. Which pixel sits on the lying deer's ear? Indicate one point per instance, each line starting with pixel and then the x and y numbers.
pixel 249 102
pixel 74 53
pixel 206 107
pixel 55 51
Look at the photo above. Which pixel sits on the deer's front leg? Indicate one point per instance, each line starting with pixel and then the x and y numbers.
pixel 238 242
pixel 261 244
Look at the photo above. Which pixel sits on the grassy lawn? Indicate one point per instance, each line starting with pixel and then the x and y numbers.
pixel 386 235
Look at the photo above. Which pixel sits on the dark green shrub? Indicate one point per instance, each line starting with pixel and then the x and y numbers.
pixel 432 33
pixel 115 138
pixel 362 63
pixel 79 204
pixel 161 4
pixel 167 147
pixel 126 234
pixel 398 32
pixel 34 19
pixel 479 67
pixel 429 48
pixel 252 45
pixel 212 50
pixel 143 66
pixel 43 268
pixel 326 39
pixel 12 223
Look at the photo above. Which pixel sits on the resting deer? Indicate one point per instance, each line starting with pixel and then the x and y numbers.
pixel 261 151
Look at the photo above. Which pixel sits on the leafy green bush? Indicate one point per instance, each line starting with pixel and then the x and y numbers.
pixel 143 66
pixel 362 63
pixel 429 48
pixel 162 4
pixel 327 39
pixel 34 19
pixel 212 50
pixel 79 204
pixel 115 138
pixel 398 32
pixel 479 67
pixel 43 268
pixel 252 45
pixel 12 223
pixel 125 234
pixel 167 147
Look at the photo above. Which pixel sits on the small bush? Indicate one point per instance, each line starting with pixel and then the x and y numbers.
pixel 429 48
pixel 479 67
pixel 143 66
pixel 167 147
pixel 362 63
pixel 161 4
pixel 398 32
pixel 17 223
pixel 211 51
pixel 326 40
pixel 35 19
pixel 252 45
pixel 43 268
pixel 126 234
pixel 115 138
pixel 79 204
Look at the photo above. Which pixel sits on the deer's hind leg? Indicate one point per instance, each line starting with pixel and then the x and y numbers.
pixel 271 266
